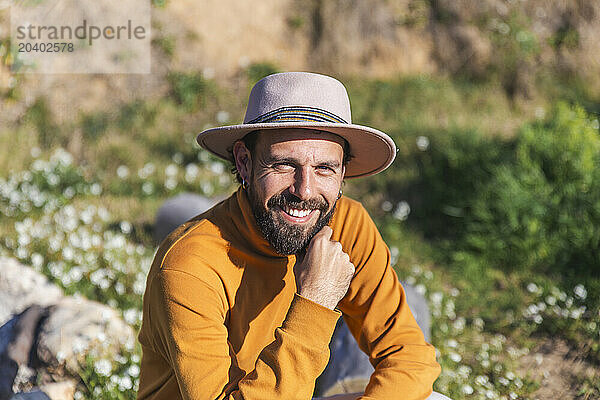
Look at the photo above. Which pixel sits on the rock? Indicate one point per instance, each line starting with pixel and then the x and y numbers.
pixel 418 305
pixel 76 326
pixel 44 335
pixel 21 287
pixel 177 210
pixel 349 369
pixel 24 294
pixel 64 390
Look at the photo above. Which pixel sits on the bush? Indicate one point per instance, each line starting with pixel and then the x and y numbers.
pixel 257 71
pixel 529 203
pixel 543 209
pixel 451 172
pixel 190 90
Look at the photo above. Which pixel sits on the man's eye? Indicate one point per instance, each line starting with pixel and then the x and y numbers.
pixel 325 169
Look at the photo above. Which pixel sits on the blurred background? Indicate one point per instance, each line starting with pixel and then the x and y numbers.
pixel 492 208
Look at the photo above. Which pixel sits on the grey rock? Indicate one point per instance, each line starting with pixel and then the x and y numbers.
pixel 418 305
pixel 177 210
pixel 349 369
pixel 77 326
pixel 24 294
pixel 21 287
pixel 37 319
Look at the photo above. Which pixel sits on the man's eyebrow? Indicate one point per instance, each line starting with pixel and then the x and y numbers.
pixel 276 159
pixel 291 160
pixel 331 164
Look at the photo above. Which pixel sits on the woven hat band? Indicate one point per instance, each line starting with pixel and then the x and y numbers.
pixel 298 114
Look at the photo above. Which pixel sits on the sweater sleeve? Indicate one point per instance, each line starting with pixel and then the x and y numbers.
pixel 189 315
pixel 378 316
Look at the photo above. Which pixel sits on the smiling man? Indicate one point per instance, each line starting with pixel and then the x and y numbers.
pixel 241 301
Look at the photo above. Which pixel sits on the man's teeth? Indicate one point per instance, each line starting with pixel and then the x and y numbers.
pixel 297 213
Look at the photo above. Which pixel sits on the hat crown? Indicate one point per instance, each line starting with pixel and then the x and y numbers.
pixel 298 89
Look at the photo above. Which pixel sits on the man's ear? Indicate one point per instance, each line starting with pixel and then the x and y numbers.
pixel 243 160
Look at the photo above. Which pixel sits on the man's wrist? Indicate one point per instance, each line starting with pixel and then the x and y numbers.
pixel 304 312
pixel 319 299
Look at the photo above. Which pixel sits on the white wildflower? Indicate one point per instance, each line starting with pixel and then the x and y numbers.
pixel 177 158
pixel 95 189
pixel 402 211
pixel 126 227
pixel 422 143
pixel 580 291
pixel 122 171
pixel 125 383
pixel 133 371
pixel 436 298
pixel 467 389
pixel 387 206
pixel 222 117
pixel 103 367
pixel 148 188
pixel 532 288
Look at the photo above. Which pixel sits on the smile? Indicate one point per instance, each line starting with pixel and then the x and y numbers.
pixel 297 215
pixel 296 212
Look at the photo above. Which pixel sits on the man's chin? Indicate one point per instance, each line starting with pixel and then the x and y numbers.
pixel 296 231
pixel 286 233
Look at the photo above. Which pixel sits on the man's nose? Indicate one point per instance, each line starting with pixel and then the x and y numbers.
pixel 303 184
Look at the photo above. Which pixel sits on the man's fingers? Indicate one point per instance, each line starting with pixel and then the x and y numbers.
pixel 326 232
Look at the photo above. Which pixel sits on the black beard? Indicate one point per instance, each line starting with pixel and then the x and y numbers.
pixel 287 238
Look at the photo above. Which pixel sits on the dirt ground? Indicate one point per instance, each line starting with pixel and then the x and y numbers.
pixel 559 369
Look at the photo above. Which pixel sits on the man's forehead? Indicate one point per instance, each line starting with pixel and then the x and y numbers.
pixel 270 137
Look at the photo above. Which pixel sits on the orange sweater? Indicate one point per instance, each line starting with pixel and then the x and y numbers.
pixel 222 319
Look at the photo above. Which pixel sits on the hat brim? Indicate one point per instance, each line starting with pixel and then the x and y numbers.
pixel 372 150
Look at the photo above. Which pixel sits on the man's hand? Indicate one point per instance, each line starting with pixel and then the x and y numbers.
pixel 324 273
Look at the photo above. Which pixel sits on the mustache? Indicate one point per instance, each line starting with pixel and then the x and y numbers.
pixel 289 200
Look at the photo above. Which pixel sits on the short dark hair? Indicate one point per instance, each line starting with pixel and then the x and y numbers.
pixel 250 142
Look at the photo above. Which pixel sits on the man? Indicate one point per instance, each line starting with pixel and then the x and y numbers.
pixel 241 301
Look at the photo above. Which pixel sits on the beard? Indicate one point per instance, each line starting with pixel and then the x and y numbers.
pixel 285 237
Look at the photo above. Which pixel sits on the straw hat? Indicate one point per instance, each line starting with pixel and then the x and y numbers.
pixel 305 100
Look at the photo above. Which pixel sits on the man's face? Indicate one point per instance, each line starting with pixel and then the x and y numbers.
pixel 294 182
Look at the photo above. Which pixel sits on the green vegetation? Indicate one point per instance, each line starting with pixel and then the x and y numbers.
pixel 491 210
pixel 255 72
